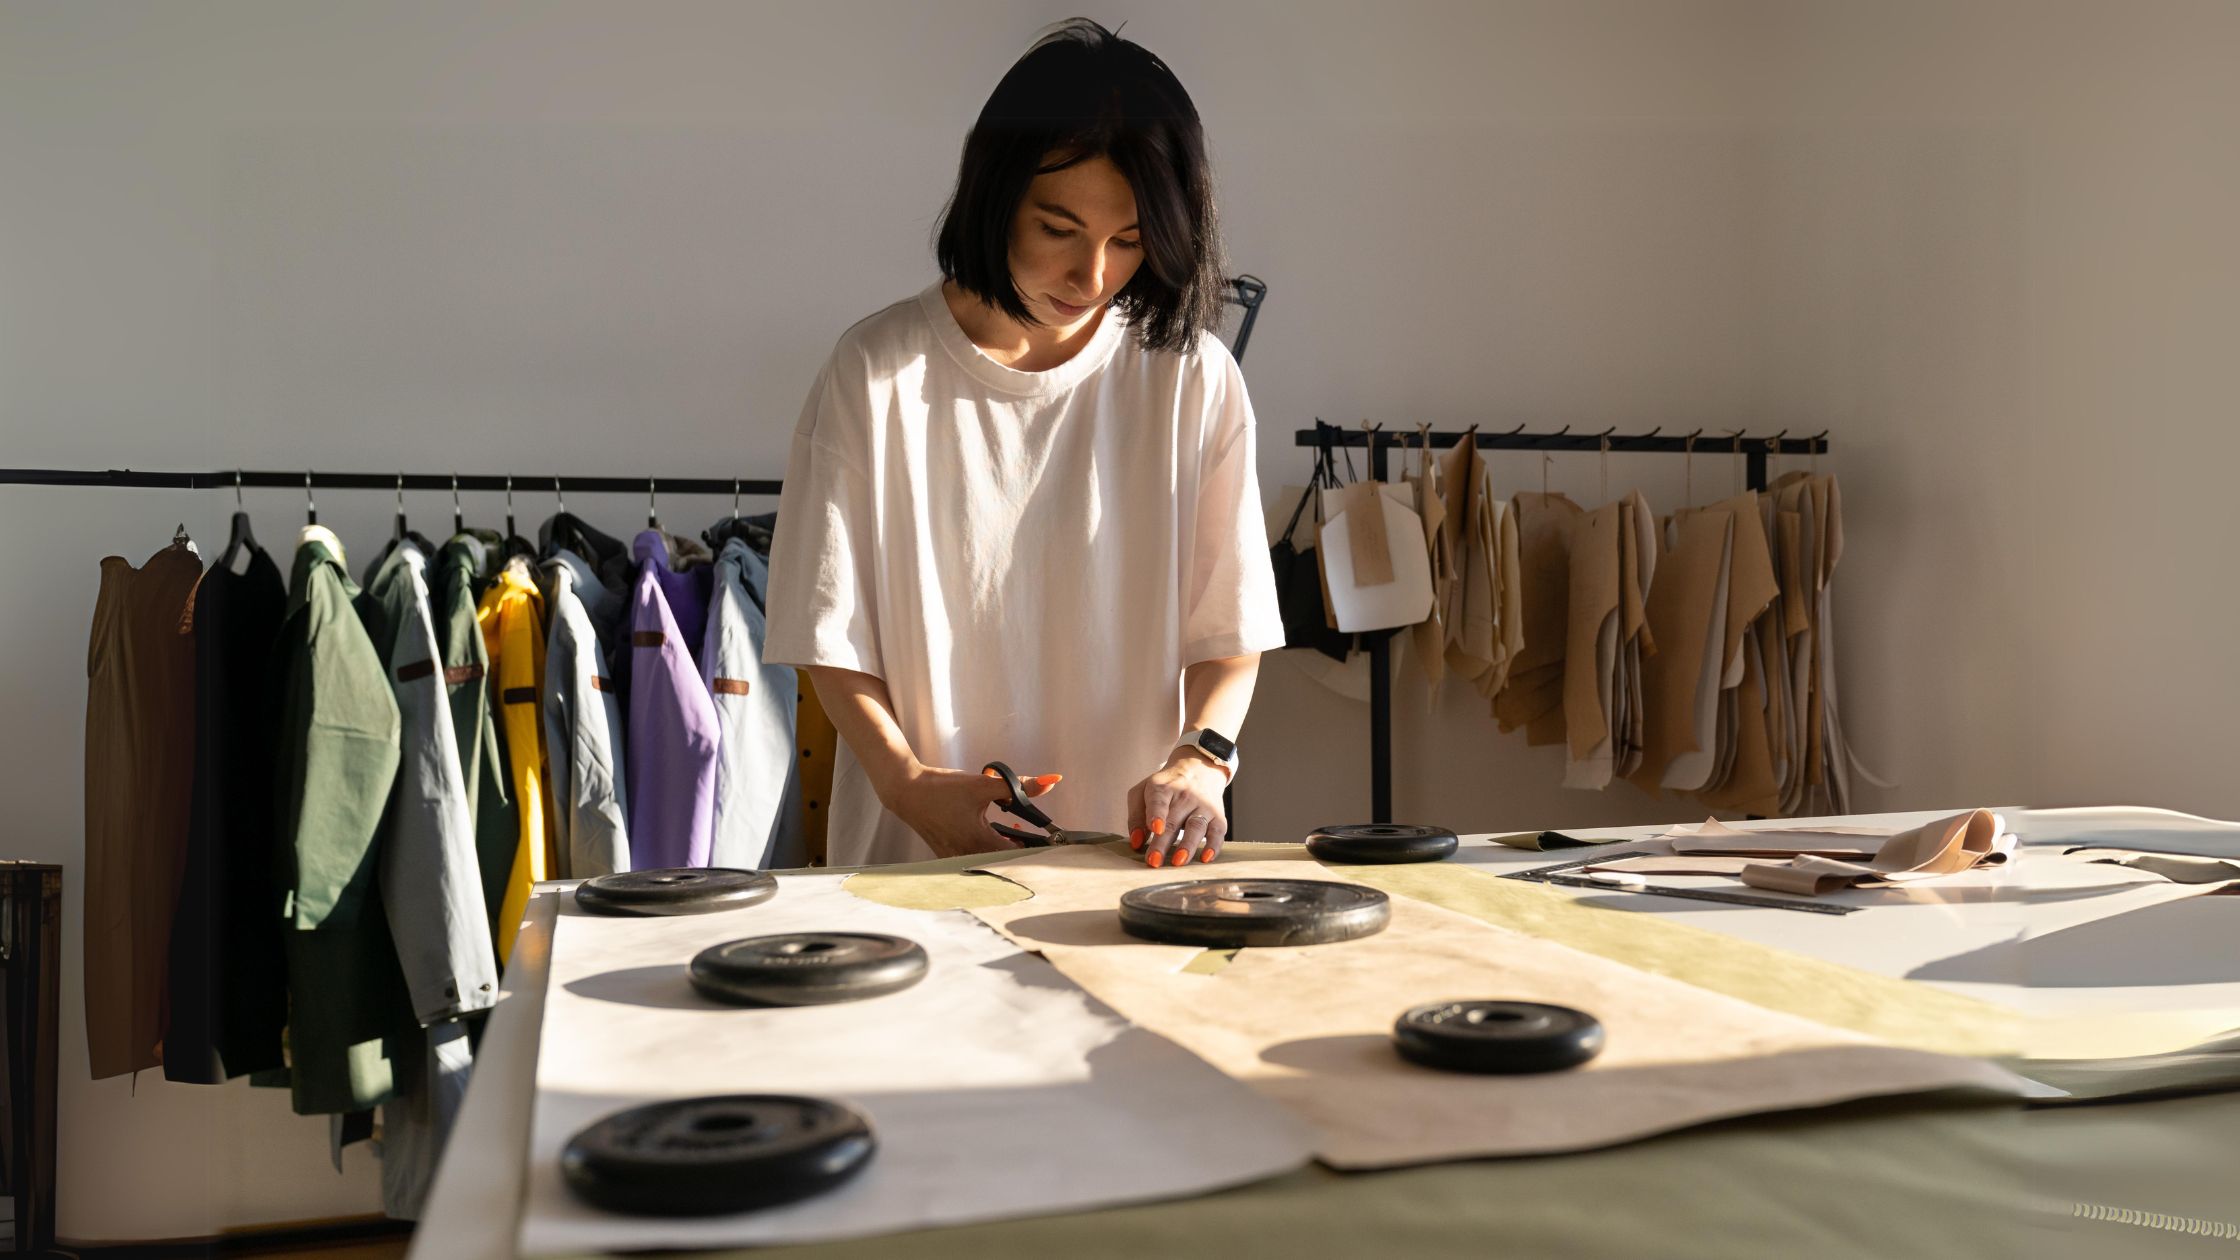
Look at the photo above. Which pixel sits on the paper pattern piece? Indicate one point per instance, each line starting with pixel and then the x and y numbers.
pixel 1613 560
pixel 2176 868
pixel 1310 1027
pixel 1713 836
pixel 996 1088
pixel 1365 595
pixel 1532 697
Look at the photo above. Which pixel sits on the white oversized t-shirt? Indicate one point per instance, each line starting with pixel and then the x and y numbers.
pixel 1028 559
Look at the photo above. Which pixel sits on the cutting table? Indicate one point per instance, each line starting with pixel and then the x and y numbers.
pixel 2130 985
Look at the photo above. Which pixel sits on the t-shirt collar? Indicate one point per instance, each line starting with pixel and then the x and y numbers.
pixel 975 361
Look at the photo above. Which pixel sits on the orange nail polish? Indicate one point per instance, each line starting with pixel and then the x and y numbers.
pixel 1048 779
pixel 1136 839
pixel 1206 856
pixel 1157 857
pixel 991 774
pixel 1158 826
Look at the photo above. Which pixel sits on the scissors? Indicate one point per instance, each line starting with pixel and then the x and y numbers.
pixel 1018 806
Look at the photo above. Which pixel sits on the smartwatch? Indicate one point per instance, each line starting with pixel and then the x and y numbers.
pixel 1213 744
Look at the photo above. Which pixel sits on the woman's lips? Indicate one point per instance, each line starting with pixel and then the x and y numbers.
pixel 1065 308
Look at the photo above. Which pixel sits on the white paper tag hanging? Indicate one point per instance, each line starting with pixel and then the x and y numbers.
pixel 1406 598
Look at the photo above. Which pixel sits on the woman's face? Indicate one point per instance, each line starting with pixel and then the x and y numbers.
pixel 1074 242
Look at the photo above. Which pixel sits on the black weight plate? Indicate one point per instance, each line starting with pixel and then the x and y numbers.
pixel 708 1156
pixel 1363 844
pixel 808 968
pixel 676 890
pixel 1233 913
pixel 1497 1036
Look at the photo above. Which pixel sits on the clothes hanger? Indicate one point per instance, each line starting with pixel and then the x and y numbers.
pixel 241 539
pixel 310 509
pixel 653 518
pixel 404 532
pixel 730 527
pixel 458 514
pixel 567 530
pixel 515 544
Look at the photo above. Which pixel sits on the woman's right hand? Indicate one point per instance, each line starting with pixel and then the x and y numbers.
pixel 949 808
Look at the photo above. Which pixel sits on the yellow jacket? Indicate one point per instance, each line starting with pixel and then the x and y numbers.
pixel 512 617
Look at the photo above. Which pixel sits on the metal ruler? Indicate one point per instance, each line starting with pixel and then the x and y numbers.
pixel 1561 874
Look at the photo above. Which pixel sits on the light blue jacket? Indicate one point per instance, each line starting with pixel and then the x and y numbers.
pixel 758 774
pixel 583 720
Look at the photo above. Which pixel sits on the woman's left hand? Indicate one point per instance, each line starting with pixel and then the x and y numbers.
pixel 1175 816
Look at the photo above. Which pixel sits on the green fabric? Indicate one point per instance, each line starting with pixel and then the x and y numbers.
pixel 455 589
pixel 952 888
pixel 1903 1177
pixel 1209 962
pixel 338 744
pixel 345 1001
pixel 2211 1066
pixel 338 752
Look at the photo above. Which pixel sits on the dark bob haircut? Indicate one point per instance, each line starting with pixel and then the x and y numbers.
pixel 1080 92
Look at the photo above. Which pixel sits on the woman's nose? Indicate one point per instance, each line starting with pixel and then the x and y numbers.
pixel 1088 272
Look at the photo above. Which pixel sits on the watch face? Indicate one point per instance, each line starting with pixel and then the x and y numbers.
pixel 1216 745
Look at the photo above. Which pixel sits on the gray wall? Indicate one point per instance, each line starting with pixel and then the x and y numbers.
pixel 1981 242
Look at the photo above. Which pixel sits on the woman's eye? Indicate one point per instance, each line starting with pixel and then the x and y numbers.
pixel 1047 230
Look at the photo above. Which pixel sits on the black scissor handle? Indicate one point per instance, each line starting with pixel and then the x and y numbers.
pixel 1018 807
pixel 1031 839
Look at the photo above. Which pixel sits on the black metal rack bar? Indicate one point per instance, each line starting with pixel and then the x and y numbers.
pixel 1753 449
pixel 520 483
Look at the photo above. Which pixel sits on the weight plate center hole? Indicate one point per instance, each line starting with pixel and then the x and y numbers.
pixel 806 947
pixel 724 1122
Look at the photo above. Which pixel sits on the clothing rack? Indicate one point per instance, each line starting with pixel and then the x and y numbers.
pixel 309 481
pixel 1754 451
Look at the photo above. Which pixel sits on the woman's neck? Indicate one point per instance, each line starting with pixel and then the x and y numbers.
pixel 1011 343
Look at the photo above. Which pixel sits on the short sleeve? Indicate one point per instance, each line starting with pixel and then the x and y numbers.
pixel 1229 599
pixel 823 547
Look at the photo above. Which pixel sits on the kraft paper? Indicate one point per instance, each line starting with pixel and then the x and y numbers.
pixel 1309 1027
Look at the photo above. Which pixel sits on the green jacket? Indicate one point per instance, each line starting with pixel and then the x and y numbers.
pixel 456 582
pixel 338 752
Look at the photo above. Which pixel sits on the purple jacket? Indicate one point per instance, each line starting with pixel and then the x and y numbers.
pixel 674 729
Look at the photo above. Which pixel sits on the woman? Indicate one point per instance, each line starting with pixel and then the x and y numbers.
pixel 1021 520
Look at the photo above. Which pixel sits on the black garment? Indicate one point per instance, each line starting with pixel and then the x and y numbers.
pixel 228 977
pixel 1299 589
pixel 607 555
pixel 756 530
